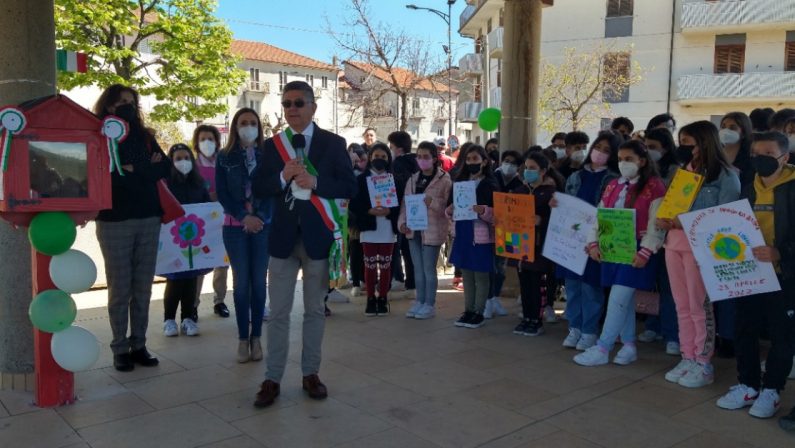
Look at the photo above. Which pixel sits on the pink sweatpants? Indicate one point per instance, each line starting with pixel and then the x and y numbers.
pixel 693 308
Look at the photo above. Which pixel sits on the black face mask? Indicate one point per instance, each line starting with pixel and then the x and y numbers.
pixel 684 153
pixel 474 168
pixel 379 164
pixel 128 113
pixel 764 165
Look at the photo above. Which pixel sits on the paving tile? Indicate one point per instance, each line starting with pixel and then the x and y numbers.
pixel 370 361
pixel 708 439
pixel 240 405
pixel 523 436
pixel 658 398
pixel 178 427
pixel 435 377
pixel 235 442
pixel 101 410
pixel 165 367
pixel 44 428
pixel 17 402
pixel 555 375
pixel 481 358
pixel 509 394
pixel 311 423
pixel 561 439
pixel 379 397
pixel 391 438
pixel 188 386
pixel 95 384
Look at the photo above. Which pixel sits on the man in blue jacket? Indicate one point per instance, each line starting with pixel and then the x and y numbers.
pixel 305 169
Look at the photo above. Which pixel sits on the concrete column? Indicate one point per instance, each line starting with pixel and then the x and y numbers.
pixel 521 60
pixel 27 70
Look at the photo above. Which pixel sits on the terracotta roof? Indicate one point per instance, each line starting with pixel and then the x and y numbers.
pixel 258 51
pixel 405 77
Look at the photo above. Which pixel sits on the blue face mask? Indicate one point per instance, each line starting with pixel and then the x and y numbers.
pixel 531 176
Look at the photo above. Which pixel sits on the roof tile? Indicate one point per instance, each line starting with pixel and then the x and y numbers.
pixel 259 51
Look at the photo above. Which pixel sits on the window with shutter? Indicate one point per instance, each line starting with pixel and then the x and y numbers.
pixel 789 58
pixel 620 8
pixel 730 58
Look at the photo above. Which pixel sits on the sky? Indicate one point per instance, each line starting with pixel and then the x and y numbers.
pixel 299 25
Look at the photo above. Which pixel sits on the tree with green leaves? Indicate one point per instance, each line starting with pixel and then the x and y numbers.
pixel 176 50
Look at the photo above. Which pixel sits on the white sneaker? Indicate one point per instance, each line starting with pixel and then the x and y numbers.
pixel 398 286
pixel 336 296
pixel 627 355
pixel 189 327
pixel 586 341
pixel 488 312
pixel 594 356
pixel 170 328
pixel 738 397
pixel 266 315
pixel 549 315
pixel 649 336
pixel 573 338
pixel 356 291
pixel 425 312
pixel 699 375
pixel 675 374
pixel 497 307
pixel 672 348
pixel 412 312
pixel 766 405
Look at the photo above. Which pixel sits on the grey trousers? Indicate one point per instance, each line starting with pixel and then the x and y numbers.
pixel 219 286
pixel 476 290
pixel 130 251
pixel 282 274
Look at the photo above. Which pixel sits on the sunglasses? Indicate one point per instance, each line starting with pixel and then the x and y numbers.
pixel 297 103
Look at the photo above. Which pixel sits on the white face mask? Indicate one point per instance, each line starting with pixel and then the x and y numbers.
pixel 628 169
pixel 560 153
pixel 792 143
pixel 729 136
pixel 247 133
pixel 509 169
pixel 578 156
pixel 655 155
pixel 184 166
pixel 207 147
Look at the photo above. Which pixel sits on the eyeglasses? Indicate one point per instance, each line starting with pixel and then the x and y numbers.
pixel 297 103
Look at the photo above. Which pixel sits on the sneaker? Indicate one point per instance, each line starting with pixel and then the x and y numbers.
pixel 586 341
pixel 463 321
pixel 426 312
pixel 458 283
pixel 534 328
pixel 672 348
pixel 382 306
pixel 627 355
pixel 370 309
pixel 335 296
pixel 256 349
pixel 170 328
pixel 189 327
pixel 549 315
pixel 415 307
pixel 594 356
pixel 397 286
pixel 356 291
pixel 699 375
pixel 787 423
pixel 766 405
pixel 476 321
pixel 221 310
pixel 488 311
pixel 649 336
pixel 266 314
pixel 521 329
pixel 243 354
pixel 738 397
pixel 573 338
pixel 497 307
pixel 675 374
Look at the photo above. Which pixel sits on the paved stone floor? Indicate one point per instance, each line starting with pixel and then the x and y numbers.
pixel 393 382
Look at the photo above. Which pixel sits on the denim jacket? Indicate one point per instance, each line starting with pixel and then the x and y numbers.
pixel 724 189
pixel 231 176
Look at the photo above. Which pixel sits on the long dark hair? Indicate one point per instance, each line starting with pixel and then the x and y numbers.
pixel 711 157
pixel 379 147
pixel 110 97
pixel 743 158
pixel 463 174
pixel 645 172
pixel 194 179
pixel 431 148
pixel 233 138
pixel 542 161
pixel 205 128
pixel 612 139
pixel 668 160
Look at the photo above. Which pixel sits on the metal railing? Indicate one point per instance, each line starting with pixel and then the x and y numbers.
pixel 701 87
pixel 495 42
pixel 258 86
pixel 703 14
pixel 495 97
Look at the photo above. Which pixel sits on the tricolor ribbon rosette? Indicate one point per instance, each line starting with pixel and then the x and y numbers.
pixel 115 130
pixel 12 121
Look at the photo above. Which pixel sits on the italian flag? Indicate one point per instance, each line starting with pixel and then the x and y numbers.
pixel 70 61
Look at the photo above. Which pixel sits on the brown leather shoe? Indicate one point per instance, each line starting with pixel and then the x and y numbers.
pixel 267 394
pixel 315 388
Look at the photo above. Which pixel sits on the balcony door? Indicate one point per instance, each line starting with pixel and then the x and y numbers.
pixel 729 53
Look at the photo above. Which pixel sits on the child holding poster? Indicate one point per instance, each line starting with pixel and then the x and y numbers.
pixel 700 152
pixel 424 245
pixel 641 189
pixel 378 229
pixel 772 195
pixel 473 247
pixel 531 273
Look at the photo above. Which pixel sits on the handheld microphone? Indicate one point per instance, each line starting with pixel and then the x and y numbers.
pixel 299 143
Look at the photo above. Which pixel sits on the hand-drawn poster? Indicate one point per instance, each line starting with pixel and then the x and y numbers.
pixel 515 226
pixel 382 190
pixel 464 198
pixel 722 239
pixel 569 226
pixel 416 212
pixel 193 241
pixel 680 195
pixel 617 234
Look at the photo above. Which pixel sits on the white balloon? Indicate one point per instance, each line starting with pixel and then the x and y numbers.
pixel 73 271
pixel 75 349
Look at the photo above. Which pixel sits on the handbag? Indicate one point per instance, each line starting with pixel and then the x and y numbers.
pixel 172 209
pixel 647 302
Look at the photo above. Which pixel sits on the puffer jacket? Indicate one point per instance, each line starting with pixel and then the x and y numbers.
pixel 438 190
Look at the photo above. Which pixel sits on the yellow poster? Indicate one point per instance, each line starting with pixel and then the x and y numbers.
pixel 681 194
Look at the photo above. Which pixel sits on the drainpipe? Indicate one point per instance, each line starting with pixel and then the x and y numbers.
pixel 671 58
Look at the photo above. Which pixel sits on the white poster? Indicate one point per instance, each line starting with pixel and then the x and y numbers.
pixel 569 225
pixel 416 212
pixel 722 238
pixel 193 241
pixel 382 190
pixel 464 198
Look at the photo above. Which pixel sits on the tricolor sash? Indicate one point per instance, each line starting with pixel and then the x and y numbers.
pixel 333 212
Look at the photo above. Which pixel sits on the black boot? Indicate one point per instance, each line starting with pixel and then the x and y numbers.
pixel 142 357
pixel 123 362
pixel 371 309
pixel 382 306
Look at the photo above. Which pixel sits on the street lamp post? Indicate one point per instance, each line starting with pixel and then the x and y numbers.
pixel 448 19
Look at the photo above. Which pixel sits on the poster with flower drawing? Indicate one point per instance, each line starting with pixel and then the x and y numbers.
pixel 193 241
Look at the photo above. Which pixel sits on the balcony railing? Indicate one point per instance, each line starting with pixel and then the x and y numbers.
pixel 466 14
pixel 734 87
pixel 471 64
pixel 468 111
pixel 700 15
pixel 495 97
pixel 258 86
pixel 495 42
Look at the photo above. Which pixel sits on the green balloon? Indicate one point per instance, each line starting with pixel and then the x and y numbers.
pixel 489 119
pixel 52 311
pixel 52 233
